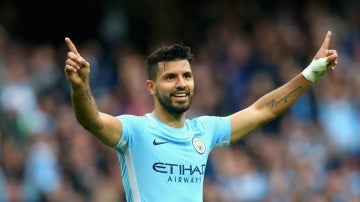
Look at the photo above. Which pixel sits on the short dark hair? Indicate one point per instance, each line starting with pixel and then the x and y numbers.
pixel 167 53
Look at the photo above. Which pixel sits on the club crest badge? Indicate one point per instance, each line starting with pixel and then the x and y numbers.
pixel 198 145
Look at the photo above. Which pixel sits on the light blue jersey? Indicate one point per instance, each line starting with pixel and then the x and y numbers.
pixel 164 164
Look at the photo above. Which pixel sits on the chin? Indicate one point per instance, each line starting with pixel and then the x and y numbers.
pixel 180 109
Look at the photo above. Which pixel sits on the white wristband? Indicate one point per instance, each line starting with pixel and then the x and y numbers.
pixel 316 69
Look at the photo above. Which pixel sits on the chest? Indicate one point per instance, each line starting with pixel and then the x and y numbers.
pixel 172 147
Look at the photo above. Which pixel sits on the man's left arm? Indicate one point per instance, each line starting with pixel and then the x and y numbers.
pixel 273 104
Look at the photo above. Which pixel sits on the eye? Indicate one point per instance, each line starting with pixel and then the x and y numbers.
pixel 188 75
pixel 170 77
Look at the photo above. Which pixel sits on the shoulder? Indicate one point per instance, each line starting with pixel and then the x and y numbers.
pixel 208 118
pixel 135 119
pixel 130 116
pixel 208 121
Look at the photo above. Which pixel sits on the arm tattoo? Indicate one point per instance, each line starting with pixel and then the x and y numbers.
pixel 91 101
pixel 273 103
pixel 89 95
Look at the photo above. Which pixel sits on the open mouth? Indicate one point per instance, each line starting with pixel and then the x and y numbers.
pixel 180 96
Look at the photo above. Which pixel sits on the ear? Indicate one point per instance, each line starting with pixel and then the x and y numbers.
pixel 150 87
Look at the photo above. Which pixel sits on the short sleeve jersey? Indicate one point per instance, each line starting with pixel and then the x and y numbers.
pixel 161 163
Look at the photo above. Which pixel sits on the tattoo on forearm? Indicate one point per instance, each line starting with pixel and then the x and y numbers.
pixel 91 101
pixel 89 95
pixel 273 103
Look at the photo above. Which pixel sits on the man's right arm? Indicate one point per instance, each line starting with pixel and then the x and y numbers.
pixel 105 127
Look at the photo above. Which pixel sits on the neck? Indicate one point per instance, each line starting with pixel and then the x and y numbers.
pixel 171 119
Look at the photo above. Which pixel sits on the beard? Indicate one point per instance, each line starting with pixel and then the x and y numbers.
pixel 166 102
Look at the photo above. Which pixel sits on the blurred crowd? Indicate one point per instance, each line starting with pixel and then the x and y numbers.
pixel 243 49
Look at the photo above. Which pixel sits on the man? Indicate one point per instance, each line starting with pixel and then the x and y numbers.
pixel 162 154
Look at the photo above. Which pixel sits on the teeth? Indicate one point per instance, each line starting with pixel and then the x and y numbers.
pixel 180 95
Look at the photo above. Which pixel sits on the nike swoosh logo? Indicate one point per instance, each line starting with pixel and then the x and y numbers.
pixel 158 143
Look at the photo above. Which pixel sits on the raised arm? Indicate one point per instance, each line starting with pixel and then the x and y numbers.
pixel 273 104
pixel 77 70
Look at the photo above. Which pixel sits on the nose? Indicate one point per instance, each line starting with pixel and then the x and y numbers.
pixel 181 83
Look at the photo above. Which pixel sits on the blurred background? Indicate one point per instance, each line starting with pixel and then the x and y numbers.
pixel 243 49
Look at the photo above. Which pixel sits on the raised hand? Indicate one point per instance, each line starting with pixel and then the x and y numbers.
pixel 323 60
pixel 77 69
pixel 331 55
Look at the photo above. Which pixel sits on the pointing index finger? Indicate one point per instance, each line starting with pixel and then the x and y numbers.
pixel 71 46
pixel 325 44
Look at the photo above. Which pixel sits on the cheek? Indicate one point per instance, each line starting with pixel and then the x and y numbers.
pixel 192 86
pixel 158 91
